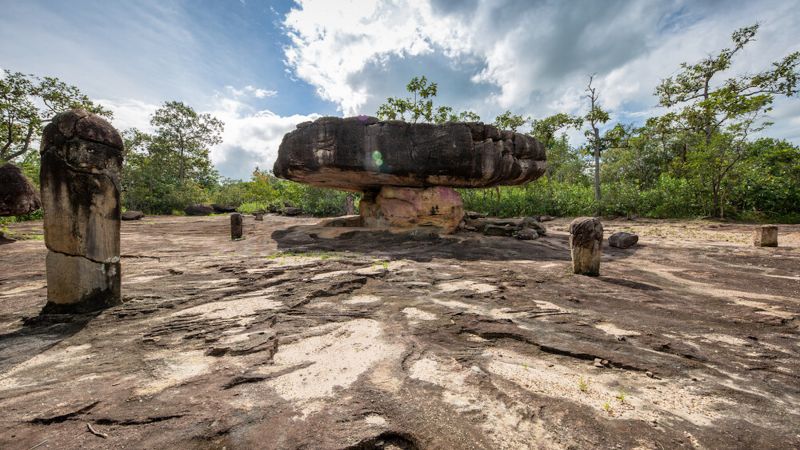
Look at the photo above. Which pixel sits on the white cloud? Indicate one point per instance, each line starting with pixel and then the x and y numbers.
pixel 531 57
pixel 251 90
pixel 251 136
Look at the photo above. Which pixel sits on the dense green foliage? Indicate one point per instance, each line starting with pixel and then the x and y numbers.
pixel 26 104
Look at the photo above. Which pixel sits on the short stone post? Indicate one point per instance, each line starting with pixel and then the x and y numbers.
pixel 80 172
pixel 349 205
pixel 236 226
pixel 586 243
pixel 766 236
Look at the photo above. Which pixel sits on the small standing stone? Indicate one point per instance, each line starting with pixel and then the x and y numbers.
pixel 766 236
pixel 259 217
pixel 80 184
pixel 236 226
pixel 586 243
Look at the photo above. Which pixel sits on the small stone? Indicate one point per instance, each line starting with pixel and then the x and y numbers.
pixel 622 239
pixel 598 362
pixel 531 222
pixel 527 234
pixel 259 217
pixel 292 211
pixel 649 374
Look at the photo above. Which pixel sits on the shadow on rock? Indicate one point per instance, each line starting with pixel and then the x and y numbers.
pixel 38 334
pixel 419 246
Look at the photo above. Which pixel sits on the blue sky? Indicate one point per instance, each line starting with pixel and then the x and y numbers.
pixel 263 66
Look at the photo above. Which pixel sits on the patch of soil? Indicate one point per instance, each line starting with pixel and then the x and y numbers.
pixel 301 336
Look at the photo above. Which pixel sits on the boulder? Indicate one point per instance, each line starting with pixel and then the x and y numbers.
pixel 364 154
pixel 17 194
pixel 222 209
pixel 292 211
pixel 622 239
pixel 527 234
pixel 533 223
pixel 132 215
pixel 436 209
pixel 198 210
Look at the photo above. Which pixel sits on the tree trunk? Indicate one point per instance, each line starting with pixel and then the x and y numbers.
pixel 597 194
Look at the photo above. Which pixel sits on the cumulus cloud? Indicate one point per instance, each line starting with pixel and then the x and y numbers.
pixel 531 57
pixel 251 90
pixel 251 137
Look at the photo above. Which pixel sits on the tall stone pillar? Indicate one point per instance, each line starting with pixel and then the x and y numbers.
pixel 80 187
pixel 586 243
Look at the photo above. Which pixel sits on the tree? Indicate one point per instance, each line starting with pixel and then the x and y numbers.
pixel 509 121
pixel 716 116
pixel 596 117
pixel 187 136
pixel 419 107
pixel 26 102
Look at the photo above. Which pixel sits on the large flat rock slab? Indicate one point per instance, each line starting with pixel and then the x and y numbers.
pixel 363 153
pixel 302 336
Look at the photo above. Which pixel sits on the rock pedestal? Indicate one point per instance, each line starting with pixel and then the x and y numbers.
pixel 439 208
pixel 766 236
pixel 236 226
pixel 80 175
pixel 585 243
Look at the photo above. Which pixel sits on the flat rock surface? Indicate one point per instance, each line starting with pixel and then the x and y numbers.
pixel 300 336
pixel 362 153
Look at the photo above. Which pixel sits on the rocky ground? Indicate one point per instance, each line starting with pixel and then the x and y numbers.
pixel 301 337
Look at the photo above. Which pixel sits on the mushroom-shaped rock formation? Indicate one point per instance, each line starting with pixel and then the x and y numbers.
pixel 17 194
pixel 405 170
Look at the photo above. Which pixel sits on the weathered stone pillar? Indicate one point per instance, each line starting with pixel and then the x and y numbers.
pixel 586 243
pixel 766 236
pixel 80 176
pixel 236 226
